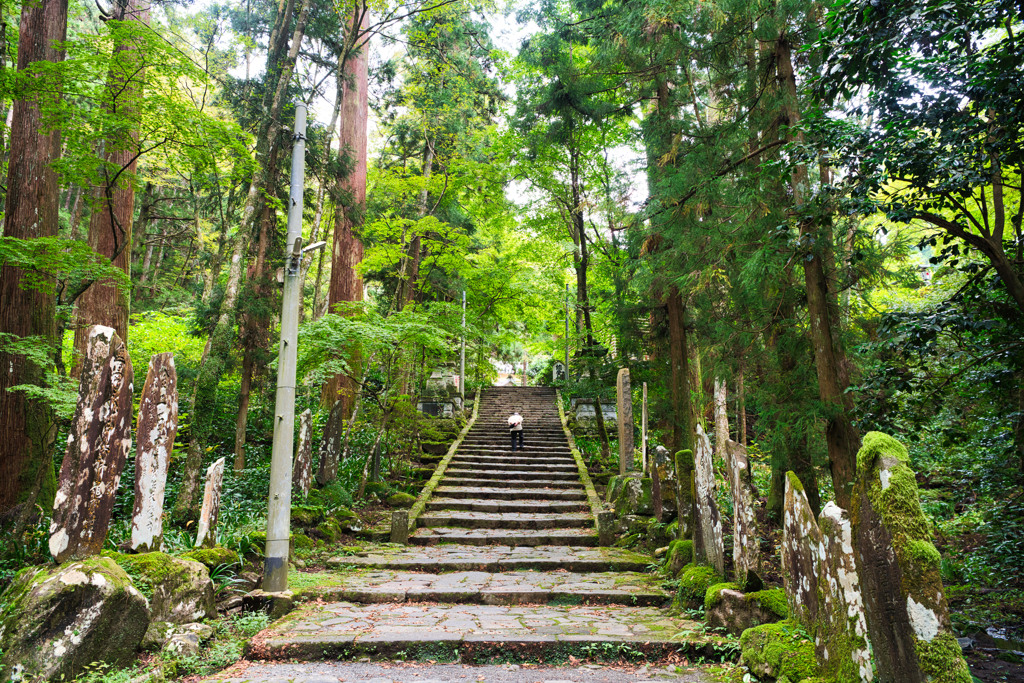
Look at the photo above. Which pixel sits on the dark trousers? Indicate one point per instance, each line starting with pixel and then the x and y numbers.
pixel 517 435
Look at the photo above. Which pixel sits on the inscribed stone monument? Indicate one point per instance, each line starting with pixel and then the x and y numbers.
pixel 98 444
pixel 157 428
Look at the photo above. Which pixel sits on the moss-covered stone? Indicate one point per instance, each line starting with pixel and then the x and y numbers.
pixel 58 619
pixel 887 513
pixel 179 590
pixel 771 600
pixel 694 581
pixel 401 500
pixel 435 447
pixel 307 516
pixel 779 650
pixel 329 530
pixel 302 542
pixel 711 596
pixel 214 557
pixel 680 554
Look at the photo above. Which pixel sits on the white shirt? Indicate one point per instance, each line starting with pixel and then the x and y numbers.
pixel 515 422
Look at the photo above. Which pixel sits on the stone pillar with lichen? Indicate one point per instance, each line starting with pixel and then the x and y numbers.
pixel 708 542
pixel 746 548
pixel 157 426
pixel 206 532
pixel 907 616
pixel 302 471
pixel 98 443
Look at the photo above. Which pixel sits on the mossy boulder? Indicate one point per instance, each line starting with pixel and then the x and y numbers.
pixel 729 608
pixel 329 530
pixel 694 581
pixel 713 595
pixel 401 500
pixel 302 542
pixel 887 515
pixel 422 473
pixel 307 516
pixel 376 488
pixel 435 447
pixel 212 558
pixel 680 554
pixel 179 590
pixel 58 619
pixel 772 600
pixel 346 519
pixel 779 650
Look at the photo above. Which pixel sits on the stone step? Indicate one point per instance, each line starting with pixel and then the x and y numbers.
pixel 520 474
pixel 505 451
pixel 524 464
pixel 497 558
pixel 516 537
pixel 524 459
pixel 478 633
pixel 508 493
pixel 493 588
pixel 515 505
pixel 507 483
pixel 506 520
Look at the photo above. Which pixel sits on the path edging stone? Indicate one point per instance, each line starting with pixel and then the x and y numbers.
pixel 596 506
pixel 428 489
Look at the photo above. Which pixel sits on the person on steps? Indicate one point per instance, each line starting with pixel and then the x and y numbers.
pixel 515 429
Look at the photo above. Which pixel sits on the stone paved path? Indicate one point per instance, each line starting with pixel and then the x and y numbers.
pixel 496 588
pixel 338 672
pixel 523 580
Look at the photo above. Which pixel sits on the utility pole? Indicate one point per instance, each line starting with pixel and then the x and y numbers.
pixel 275 568
pixel 462 356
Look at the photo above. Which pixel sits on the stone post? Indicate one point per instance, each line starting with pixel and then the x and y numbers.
pixel 98 444
pixel 822 587
pixel 708 543
pixel 400 526
pixel 206 532
pixel 605 528
pixel 624 411
pixel 801 539
pixel 685 504
pixel 155 433
pixel 644 455
pixel 302 473
pixel 746 554
pixel 907 616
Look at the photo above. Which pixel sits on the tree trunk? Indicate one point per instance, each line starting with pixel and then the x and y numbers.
pixel 31 209
pixel 350 197
pixel 683 423
pixel 830 360
pixel 255 327
pixel 110 223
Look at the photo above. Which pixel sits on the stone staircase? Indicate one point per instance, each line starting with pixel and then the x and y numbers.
pixel 492 495
pixel 503 566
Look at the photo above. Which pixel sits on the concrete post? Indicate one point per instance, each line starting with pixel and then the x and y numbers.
pixel 275 568
pixel 624 411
